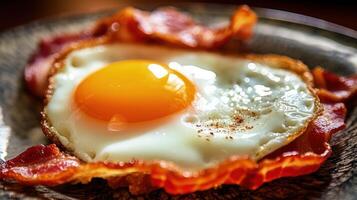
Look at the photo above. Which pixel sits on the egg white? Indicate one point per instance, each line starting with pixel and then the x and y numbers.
pixel 241 108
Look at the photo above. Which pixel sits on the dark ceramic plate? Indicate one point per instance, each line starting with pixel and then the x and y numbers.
pixel 313 41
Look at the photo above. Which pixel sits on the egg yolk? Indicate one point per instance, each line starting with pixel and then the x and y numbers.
pixel 134 91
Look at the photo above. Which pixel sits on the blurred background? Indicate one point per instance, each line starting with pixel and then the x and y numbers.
pixel 17 12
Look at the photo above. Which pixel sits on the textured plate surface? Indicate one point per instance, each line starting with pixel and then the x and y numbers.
pixel 314 45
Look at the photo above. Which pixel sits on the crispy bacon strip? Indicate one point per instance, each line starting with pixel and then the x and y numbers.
pixel 38 66
pixel 165 25
pixel 334 88
pixel 171 26
pixel 47 164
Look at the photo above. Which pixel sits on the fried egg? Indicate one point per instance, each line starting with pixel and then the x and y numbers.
pixel 122 102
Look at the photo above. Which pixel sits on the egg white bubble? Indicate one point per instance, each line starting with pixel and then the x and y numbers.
pixel 241 108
